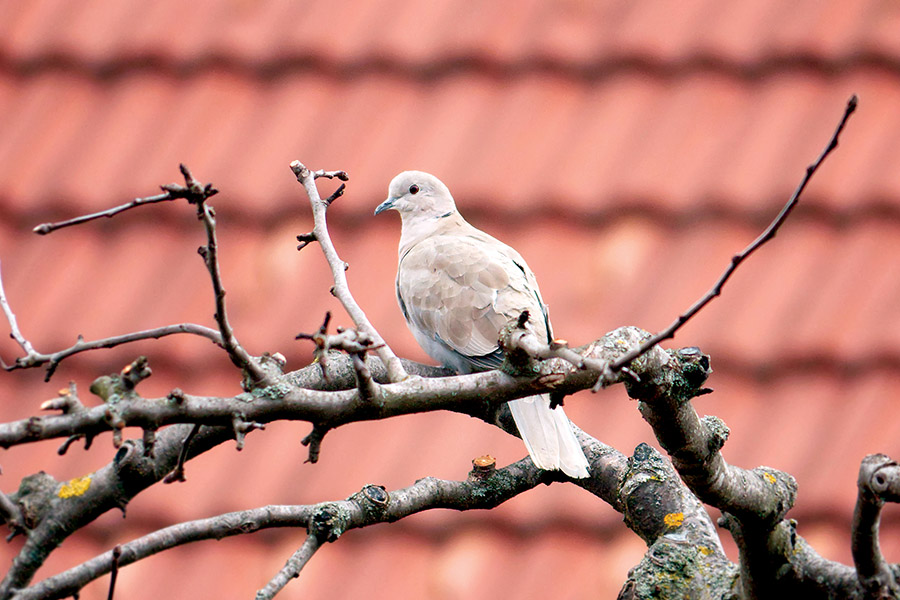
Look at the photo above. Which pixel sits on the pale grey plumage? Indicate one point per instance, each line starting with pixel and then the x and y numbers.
pixel 457 286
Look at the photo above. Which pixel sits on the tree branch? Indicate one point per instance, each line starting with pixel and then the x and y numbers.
pixel 756 500
pixel 465 394
pixel 197 194
pixel 45 228
pixel 879 482
pixel 133 469
pixel 36 359
pixel 58 509
pixel 341 289
pixel 12 516
pixel 762 495
pixel 326 521
pixel 14 327
pixel 737 259
pixel 291 569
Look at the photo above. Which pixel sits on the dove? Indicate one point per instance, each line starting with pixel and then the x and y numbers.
pixel 457 287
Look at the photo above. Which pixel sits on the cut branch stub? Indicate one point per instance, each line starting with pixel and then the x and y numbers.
pixel 329 521
pixel 879 477
pixel 314 442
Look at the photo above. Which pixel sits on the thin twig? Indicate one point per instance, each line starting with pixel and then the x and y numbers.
pixel 114 573
pixel 737 259
pixel 198 194
pixel 314 441
pixel 241 428
pixel 307 178
pixel 365 385
pixel 291 569
pixel 45 228
pixel 13 325
pixel 36 359
pixel 177 473
pixel 11 515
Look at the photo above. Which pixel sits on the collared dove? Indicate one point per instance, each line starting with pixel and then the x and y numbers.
pixel 457 287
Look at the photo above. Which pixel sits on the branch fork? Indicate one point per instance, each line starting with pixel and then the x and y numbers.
pixel 341 289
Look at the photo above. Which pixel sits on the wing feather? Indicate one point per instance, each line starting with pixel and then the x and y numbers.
pixel 459 290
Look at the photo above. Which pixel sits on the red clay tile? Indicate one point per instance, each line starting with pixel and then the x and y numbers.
pixel 625 150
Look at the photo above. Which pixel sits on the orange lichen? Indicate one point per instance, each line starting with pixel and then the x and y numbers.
pixel 75 487
pixel 673 519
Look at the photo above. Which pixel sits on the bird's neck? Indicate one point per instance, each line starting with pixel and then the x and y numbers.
pixel 418 226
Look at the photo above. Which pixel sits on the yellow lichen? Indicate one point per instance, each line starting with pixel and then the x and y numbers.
pixel 673 519
pixel 75 487
pixel 705 551
pixel 769 477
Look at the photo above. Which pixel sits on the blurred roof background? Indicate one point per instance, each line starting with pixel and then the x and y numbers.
pixel 626 149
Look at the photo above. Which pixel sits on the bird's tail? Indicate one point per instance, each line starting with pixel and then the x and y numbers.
pixel 548 435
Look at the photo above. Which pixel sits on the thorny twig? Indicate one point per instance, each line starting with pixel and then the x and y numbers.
pixel 341 290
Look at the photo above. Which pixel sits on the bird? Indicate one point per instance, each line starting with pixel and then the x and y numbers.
pixel 457 287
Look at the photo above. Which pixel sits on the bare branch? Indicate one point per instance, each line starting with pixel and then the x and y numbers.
pixel 133 470
pixel 291 569
pixel 116 554
pixel 737 259
pixel 241 428
pixel 879 481
pixel 761 496
pixel 307 178
pixel 365 385
pixel 522 347
pixel 36 359
pixel 14 326
pixel 45 228
pixel 84 499
pixel 326 521
pixel 33 358
pixel 67 401
pixel 177 473
pixel 12 516
pixel 314 441
pixel 197 194
pixel 342 404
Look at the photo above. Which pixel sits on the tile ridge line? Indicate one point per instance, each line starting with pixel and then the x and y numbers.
pixel 275 67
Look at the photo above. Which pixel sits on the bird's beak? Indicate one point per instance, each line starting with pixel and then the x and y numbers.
pixel 386 205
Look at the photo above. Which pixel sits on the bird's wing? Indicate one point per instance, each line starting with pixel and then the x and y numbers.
pixel 461 288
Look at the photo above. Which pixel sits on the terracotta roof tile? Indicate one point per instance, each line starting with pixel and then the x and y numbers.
pixel 625 150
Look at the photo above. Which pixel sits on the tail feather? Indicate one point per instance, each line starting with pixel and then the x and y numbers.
pixel 548 436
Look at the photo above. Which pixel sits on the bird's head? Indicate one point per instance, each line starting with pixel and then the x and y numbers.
pixel 418 194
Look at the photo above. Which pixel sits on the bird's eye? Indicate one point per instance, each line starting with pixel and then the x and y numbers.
pixel 413 189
